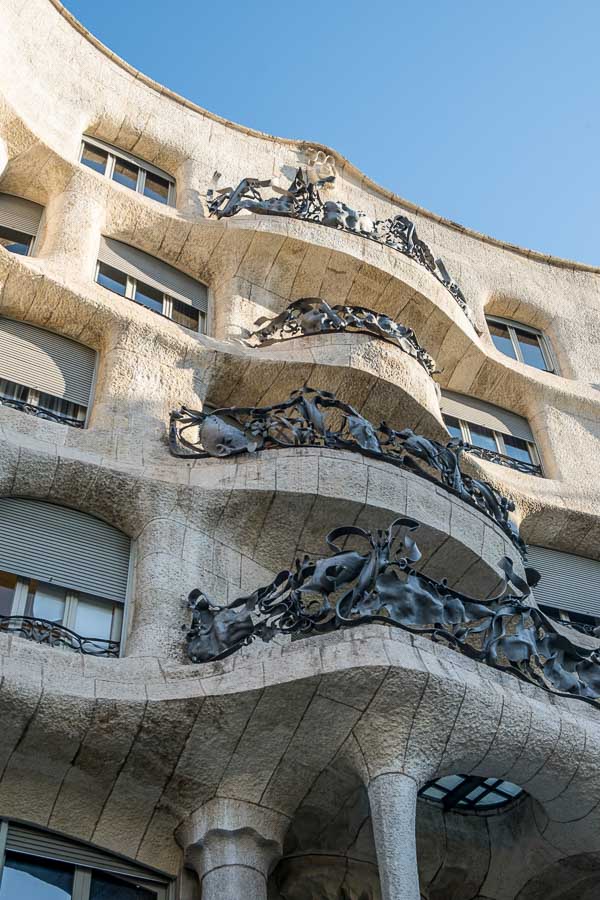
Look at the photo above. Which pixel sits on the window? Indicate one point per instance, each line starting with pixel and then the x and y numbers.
pixel 569 589
pixel 491 432
pixel 45 374
pixel 63 576
pixel 469 792
pixel 520 342
pixel 152 283
pixel 128 170
pixel 19 224
pixel 40 865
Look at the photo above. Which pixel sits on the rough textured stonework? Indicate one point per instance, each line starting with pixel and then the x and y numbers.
pixel 297 761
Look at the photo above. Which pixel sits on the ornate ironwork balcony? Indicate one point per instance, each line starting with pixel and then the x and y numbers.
pixel 502 460
pixel 302 200
pixel 314 418
pixel 311 316
pixel 378 583
pixel 42 631
pixel 40 413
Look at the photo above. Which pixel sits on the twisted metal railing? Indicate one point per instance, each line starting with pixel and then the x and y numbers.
pixel 529 468
pixel 311 316
pixel 314 418
pixel 40 413
pixel 43 631
pixel 377 582
pixel 302 200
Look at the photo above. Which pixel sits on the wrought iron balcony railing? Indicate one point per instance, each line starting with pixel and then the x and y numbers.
pixel 314 418
pixel 40 413
pixel 311 316
pixel 500 459
pixel 42 631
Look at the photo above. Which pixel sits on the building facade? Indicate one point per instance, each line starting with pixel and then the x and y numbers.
pixel 280 453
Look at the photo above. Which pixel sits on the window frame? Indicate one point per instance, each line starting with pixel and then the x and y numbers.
pixel 167 310
pixel 163 886
pixel 31 239
pixel 536 459
pixel 129 159
pixel 543 342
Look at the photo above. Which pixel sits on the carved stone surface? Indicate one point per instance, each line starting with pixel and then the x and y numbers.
pixel 311 315
pixel 43 631
pixel 317 418
pixel 380 584
pixel 302 200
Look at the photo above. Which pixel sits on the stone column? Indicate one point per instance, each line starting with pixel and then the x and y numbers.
pixel 393 800
pixel 233 846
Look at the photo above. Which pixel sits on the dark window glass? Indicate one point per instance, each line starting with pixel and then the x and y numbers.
pixel 453 426
pixel 109 887
pixel 517 448
pixel 15 241
pixel 112 279
pixel 185 315
pixel 531 349
pixel 9 390
pixel 482 437
pixel 157 188
pixel 501 338
pixel 470 792
pixel 8 583
pixel 95 158
pixel 125 173
pixel 26 878
pixel 61 407
pixel 149 296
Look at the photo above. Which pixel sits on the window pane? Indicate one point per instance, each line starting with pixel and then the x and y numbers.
pixel 26 878
pixel 8 584
pixel 149 296
pixel 109 887
pixel 501 338
pixel 125 173
pixel 95 158
pixel 112 279
pixel 15 241
pixel 10 390
pixel 61 407
pixel 531 349
pixel 185 315
pixel 45 601
pixel 157 188
pixel 482 437
pixel 453 426
pixel 93 618
pixel 517 448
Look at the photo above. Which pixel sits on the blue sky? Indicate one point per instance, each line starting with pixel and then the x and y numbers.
pixel 483 112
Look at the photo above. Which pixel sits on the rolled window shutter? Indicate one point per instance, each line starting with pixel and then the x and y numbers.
pixel 46 361
pixel 485 414
pixel 21 839
pixel 64 547
pixel 129 157
pixel 20 214
pixel 568 582
pixel 153 272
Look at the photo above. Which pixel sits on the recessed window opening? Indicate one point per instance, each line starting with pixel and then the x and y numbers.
pixel 471 793
pixel 569 589
pixel 522 343
pixel 128 170
pixel 19 224
pixel 15 241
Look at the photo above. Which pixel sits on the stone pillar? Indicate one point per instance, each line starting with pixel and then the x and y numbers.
pixel 233 846
pixel 71 235
pixel 393 800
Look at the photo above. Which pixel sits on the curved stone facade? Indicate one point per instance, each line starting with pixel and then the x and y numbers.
pixel 289 768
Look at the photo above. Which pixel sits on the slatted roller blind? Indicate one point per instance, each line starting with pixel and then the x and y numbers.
pixel 153 272
pixel 21 839
pixel 568 582
pixel 19 214
pixel 64 547
pixel 486 414
pixel 46 362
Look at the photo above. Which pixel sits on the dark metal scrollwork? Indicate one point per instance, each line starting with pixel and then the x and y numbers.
pixel 42 631
pixel 380 584
pixel 40 413
pixel 302 200
pixel 314 316
pixel 313 418
pixel 500 459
